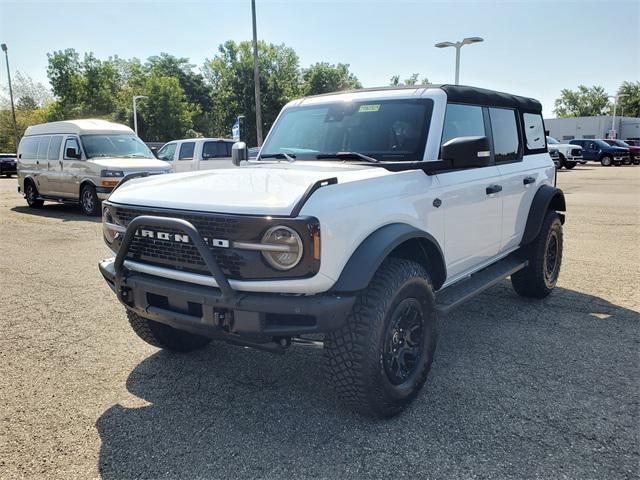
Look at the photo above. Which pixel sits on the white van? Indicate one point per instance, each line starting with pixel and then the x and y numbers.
pixel 197 154
pixel 80 161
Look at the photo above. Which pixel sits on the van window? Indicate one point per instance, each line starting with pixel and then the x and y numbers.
pixel 215 150
pixel 167 152
pixel 43 147
pixel 186 151
pixel 28 148
pixel 71 143
pixel 462 121
pixel 534 131
pixel 54 147
pixel 506 142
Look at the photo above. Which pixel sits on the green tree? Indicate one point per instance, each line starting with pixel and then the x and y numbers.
pixel 326 78
pixel 584 102
pixel 167 114
pixel 411 81
pixel 67 83
pixel 28 94
pixel 629 100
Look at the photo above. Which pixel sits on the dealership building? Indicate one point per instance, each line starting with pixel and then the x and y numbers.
pixel 592 127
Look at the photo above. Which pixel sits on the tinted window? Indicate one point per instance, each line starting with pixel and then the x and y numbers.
pixel 567 137
pixel 534 131
pixel 186 151
pixel 167 152
pixel 43 147
pixel 29 147
pixel 54 147
pixel 71 143
pixel 506 144
pixel 462 121
pixel 121 146
pixel 215 150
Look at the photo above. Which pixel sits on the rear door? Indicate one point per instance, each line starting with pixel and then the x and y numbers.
pixel 185 160
pixel 471 199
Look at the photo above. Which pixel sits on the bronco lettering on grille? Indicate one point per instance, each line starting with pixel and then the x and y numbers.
pixel 180 238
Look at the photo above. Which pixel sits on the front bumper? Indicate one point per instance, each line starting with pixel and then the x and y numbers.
pixel 204 310
pixel 103 192
pixel 8 168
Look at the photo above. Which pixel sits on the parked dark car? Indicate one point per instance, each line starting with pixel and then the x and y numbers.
pixel 633 143
pixel 634 151
pixel 8 164
pixel 598 150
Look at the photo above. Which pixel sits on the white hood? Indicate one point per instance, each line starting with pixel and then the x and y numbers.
pixel 131 164
pixel 272 189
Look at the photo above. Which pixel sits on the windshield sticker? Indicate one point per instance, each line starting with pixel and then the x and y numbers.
pixel 369 108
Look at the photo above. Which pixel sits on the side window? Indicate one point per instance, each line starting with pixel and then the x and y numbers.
pixel 43 147
pixel 71 143
pixel 568 137
pixel 214 150
pixel 533 131
pixel 506 143
pixel 229 145
pixel 167 152
pixel 462 121
pixel 28 148
pixel 54 147
pixel 186 151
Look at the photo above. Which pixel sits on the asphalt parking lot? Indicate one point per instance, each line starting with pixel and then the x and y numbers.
pixel 519 389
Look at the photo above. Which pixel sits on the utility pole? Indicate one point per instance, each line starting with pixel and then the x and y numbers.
pixel 135 113
pixel 13 108
pixel 256 76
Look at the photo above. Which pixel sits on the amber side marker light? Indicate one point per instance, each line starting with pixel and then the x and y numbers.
pixel 109 183
pixel 315 235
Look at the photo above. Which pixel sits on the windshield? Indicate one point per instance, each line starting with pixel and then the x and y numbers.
pixel 121 146
pixel 552 140
pixel 388 130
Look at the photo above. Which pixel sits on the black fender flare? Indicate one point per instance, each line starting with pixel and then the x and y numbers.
pixel 546 198
pixel 367 258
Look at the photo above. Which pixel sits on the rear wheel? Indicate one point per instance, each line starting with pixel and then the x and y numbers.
pixel 166 337
pixel 626 161
pixel 606 161
pixel 31 195
pixel 379 360
pixel 544 255
pixel 89 201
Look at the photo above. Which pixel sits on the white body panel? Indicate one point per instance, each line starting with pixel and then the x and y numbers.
pixel 199 160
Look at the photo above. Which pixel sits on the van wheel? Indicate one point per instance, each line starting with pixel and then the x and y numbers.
pixel 606 161
pixel 31 194
pixel 544 254
pixel 166 337
pixel 89 201
pixel 379 360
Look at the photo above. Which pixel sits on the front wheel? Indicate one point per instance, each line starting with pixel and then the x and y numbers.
pixel 544 254
pixel 89 201
pixel 166 337
pixel 606 161
pixel 379 360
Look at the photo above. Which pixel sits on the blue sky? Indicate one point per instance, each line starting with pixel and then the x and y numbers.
pixel 532 48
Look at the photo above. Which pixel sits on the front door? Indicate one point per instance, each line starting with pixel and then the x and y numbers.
pixel 471 199
pixel 69 169
pixel 185 157
pixel 168 154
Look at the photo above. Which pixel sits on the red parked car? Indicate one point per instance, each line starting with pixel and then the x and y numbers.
pixel 634 151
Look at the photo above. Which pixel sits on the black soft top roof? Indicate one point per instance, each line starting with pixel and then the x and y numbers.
pixel 490 98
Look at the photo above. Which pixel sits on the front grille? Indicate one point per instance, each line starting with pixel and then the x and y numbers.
pixel 576 152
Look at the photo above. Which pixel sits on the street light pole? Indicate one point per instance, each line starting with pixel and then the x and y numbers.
pixel 458 46
pixel 13 108
pixel 256 76
pixel 613 119
pixel 135 113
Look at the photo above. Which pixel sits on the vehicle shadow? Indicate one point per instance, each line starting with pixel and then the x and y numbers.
pixel 62 211
pixel 514 383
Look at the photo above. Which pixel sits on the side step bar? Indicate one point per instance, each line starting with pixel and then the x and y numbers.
pixel 458 293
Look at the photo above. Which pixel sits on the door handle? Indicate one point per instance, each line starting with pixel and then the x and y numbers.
pixel 493 189
pixel 528 180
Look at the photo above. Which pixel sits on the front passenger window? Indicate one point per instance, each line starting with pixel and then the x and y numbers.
pixel 462 121
pixel 167 152
pixel 71 143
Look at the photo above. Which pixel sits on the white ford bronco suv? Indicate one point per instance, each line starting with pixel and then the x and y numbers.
pixel 365 215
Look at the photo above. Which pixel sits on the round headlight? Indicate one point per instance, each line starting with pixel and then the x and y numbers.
pixel 109 235
pixel 282 247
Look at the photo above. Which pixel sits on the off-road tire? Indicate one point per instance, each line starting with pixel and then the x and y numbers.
pixel 31 195
pixel 539 278
pixel 355 358
pixel 89 201
pixel 165 337
pixel 606 161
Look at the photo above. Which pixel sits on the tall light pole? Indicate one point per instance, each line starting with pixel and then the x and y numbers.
pixel 13 108
pixel 613 132
pixel 458 46
pixel 135 113
pixel 256 75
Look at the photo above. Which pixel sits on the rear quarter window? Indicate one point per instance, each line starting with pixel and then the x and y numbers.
pixel 533 131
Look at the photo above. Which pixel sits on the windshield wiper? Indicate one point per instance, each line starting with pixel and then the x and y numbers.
pixel 280 156
pixel 348 156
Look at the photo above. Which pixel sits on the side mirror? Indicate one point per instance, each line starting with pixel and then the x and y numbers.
pixel 72 153
pixel 239 153
pixel 467 152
